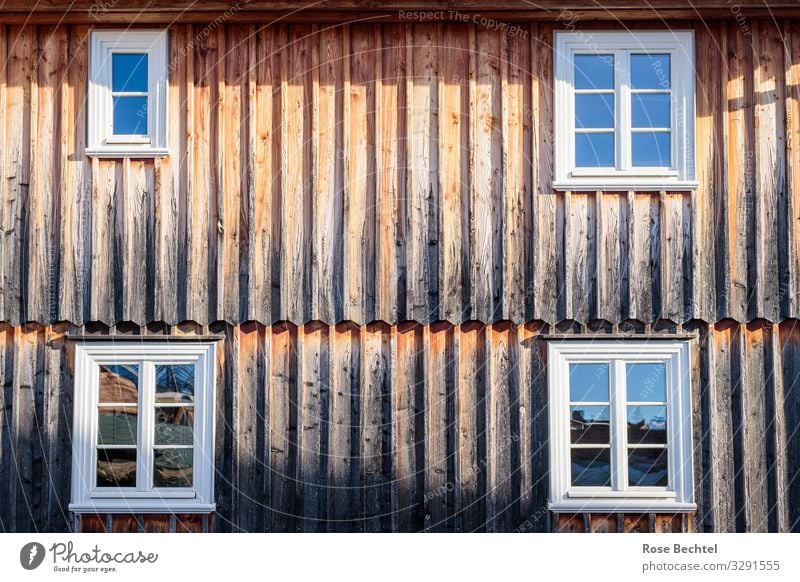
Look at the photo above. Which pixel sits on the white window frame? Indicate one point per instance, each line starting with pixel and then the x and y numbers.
pixel 680 46
pixel 86 496
pixel 102 142
pixel 678 495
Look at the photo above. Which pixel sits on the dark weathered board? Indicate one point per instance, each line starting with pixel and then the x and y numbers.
pixel 387 173
pixel 412 428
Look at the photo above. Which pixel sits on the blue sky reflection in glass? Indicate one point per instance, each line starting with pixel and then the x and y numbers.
pixel 595 111
pixel 129 91
pixel 651 110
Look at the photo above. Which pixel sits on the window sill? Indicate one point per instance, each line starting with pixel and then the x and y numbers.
pixel 627 505
pixel 155 505
pixel 618 184
pixel 126 152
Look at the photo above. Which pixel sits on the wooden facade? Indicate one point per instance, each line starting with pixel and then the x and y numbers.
pixel 363 214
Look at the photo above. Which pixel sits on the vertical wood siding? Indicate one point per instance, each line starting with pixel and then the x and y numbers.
pixel 365 213
pixel 415 428
pixel 387 173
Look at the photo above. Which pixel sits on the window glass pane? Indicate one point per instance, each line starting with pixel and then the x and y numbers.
pixel 594 110
pixel 589 425
pixel 116 467
pixel 117 425
pixel 647 467
pixel 594 71
pixel 646 382
pixel 650 110
pixel 588 382
pixel 129 72
pixel 174 425
pixel 119 384
pixel 591 467
pixel 650 72
pixel 647 424
pixel 175 383
pixel 173 467
pixel 594 150
pixel 130 115
pixel 651 149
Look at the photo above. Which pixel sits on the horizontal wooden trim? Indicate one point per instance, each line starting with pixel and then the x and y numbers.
pixel 144 12
pixel 639 336
pixel 145 338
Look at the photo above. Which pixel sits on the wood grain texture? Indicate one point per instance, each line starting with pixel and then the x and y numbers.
pixel 412 428
pixel 387 173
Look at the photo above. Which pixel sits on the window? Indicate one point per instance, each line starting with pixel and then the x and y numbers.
pixel 624 111
pixel 127 93
pixel 143 427
pixel 620 426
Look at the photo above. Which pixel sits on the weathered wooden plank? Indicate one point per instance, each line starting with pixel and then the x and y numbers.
pixel 770 169
pixel 673 246
pixel 644 262
pixel 251 462
pixel 375 437
pixel 25 492
pixel 343 432
pixel 736 230
pixel 313 354
pixel 487 179
pixel 708 169
pixel 267 177
pixel 360 198
pixel 233 155
pixel 169 191
pixel 612 250
pixel 202 225
pixel 390 160
pixel 757 417
pixel 296 93
pixel 502 426
pixel 454 155
pixel 438 382
pixel 56 433
pixel 3 105
pixel 7 411
pixel 410 429
pixel 580 256
pixel 515 73
pixel 327 274
pixel 472 451
pixel 226 441
pixel 106 181
pixel 46 159
pixel 21 45
pixel 792 96
pixel 423 196
pixel 283 428
pixel 789 353
pixel 545 283
pixel 723 377
pixel 75 186
pixel 134 221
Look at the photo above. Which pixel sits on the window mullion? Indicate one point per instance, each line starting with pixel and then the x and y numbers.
pixel 619 436
pixel 622 84
pixel 146 439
